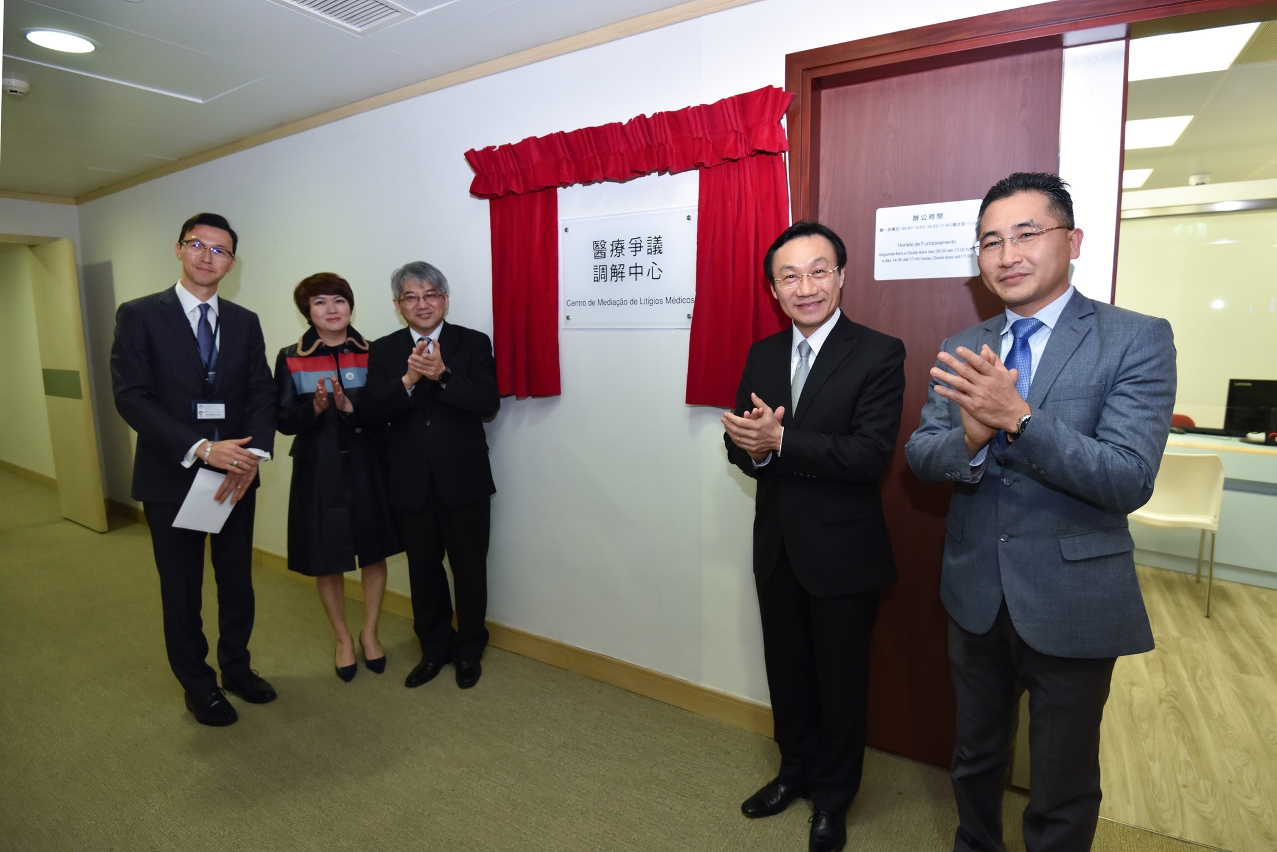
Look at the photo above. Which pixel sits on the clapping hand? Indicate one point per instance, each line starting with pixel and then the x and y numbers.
pixel 757 431
pixel 339 397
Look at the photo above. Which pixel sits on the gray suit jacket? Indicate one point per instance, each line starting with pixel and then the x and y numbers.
pixel 1045 525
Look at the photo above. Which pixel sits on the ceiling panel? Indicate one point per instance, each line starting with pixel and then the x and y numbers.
pixel 123 56
pixel 569 17
pixel 499 32
pixel 248 65
pixel 1166 96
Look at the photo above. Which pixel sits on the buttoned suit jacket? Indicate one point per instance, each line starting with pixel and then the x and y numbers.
pixel 819 496
pixel 1045 525
pixel 435 431
pixel 157 376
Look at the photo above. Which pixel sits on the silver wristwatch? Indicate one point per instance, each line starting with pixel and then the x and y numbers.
pixel 1020 427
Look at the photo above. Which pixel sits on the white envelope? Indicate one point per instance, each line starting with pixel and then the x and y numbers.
pixel 199 510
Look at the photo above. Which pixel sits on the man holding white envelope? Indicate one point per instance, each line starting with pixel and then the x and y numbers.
pixel 190 376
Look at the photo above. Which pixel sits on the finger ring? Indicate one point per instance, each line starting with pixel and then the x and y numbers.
pixel 235 463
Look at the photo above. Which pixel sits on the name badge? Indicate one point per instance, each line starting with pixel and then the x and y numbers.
pixel 210 411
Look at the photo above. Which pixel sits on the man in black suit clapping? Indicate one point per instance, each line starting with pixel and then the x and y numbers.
pixel 816 419
pixel 190 376
pixel 433 384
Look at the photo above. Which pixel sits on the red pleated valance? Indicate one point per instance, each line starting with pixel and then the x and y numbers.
pixel 678 141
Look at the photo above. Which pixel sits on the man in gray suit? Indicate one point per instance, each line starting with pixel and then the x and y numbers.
pixel 1050 419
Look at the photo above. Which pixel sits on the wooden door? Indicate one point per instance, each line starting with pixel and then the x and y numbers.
pixel 60 327
pixel 912 134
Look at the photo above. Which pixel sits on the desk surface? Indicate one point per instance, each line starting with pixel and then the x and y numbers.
pixel 1219 443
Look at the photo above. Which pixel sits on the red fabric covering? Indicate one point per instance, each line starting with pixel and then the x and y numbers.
pixel 525 292
pixel 741 212
pixel 743 207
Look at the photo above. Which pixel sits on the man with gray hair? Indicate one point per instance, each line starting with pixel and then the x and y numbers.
pixel 432 385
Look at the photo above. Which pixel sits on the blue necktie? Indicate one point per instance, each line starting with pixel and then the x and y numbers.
pixel 1021 356
pixel 204 337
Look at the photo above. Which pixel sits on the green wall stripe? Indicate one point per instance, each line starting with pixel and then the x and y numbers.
pixel 63 383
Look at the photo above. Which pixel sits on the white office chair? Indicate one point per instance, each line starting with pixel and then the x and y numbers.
pixel 1187 493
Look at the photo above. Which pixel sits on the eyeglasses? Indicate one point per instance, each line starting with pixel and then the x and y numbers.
pixel 791 280
pixel 411 299
pixel 1023 240
pixel 197 248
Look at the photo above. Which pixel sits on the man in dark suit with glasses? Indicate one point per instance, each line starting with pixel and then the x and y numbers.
pixel 816 420
pixel 433 384
pixel 190 376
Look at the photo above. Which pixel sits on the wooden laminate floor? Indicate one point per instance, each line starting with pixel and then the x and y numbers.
pixel 1189 742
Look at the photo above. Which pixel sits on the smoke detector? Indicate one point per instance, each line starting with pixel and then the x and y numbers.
pixel 1200 179
pixel 16 87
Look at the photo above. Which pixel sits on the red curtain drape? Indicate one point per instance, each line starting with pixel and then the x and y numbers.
pixel 743 207
pixel 525 292
pixel 741 212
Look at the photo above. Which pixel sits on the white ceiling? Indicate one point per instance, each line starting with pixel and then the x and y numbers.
pixel 175 78
pixel 1233 134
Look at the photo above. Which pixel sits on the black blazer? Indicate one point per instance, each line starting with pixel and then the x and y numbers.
pixel 820 495
pixel 158 376
pixel 435 432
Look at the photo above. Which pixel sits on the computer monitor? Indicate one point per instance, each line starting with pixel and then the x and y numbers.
pixel 1252 406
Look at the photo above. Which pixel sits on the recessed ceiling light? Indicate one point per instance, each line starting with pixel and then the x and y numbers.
pixel 1134 178
pixel 1217 304
pixel 1155 132
pixel 65 42
pixel 1196 52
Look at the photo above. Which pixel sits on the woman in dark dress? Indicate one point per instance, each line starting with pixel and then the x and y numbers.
pixel 337 510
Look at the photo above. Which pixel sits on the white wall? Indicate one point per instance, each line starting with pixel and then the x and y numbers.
pixel 618 525
pixel 24 418
pixel 1214 277
pixel 38 219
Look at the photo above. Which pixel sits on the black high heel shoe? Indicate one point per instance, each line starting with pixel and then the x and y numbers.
pixel 376 666
pixel 347 673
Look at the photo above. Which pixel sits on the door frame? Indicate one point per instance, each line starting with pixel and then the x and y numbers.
pixel 809 71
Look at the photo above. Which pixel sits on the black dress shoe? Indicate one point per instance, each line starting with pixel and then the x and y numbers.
pixel 423 673
pixel 828 831
pixel 347 673
pixel 376 666
pixel 468 674
pixel 771 800
pixel 249 686
pixel 211 708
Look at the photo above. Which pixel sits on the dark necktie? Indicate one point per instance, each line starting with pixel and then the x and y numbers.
pixel 204 337
pixel 1021 356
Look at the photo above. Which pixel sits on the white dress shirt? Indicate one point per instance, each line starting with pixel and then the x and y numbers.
pixel 191 307
pixel 1049 316
pixel 417 337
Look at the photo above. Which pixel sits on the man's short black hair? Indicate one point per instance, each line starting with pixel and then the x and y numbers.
pixel 797 231
pixel 211 220
pixel 1059 202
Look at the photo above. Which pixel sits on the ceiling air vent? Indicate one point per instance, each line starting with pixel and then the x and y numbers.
pixel 355 16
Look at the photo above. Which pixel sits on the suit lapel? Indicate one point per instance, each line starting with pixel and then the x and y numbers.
pixel 991 333
pixel 230 336
pixel 171 308
pixel 449 338
pixel 1074 324
pixel 838 347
